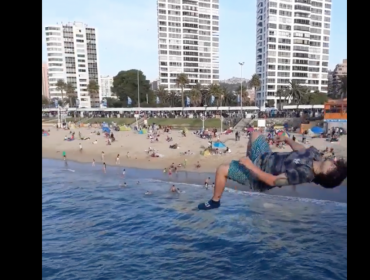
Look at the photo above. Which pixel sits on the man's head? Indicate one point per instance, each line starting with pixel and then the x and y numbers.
pixel 332 173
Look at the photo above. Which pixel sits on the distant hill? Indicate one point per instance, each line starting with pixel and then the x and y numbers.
pixel 234 80
pixel 233 86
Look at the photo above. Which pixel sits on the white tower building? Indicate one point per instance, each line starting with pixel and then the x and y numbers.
pixel 292 45
pixel 72 56
pixel 188 41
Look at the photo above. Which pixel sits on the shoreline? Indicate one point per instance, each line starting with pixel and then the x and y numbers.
pixel 305 191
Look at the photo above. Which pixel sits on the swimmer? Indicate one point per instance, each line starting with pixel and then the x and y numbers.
pixel 213 185
pixel 178 190
pixel 93 162
pixel 124 185
pixel 138 183
pixel 277 169
pixel 206 182
pixel 104 167
pixel 148 192
pixel 173 189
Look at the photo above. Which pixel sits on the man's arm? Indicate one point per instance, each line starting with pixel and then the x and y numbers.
pixel 269 179
pixel 294 145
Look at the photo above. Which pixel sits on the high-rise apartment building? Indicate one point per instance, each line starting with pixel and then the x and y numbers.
pixel 292 45
pixel 45 81
pixel 106 84
pixel 72 56
pixel 188 41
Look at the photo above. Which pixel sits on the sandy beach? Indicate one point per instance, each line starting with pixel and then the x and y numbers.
pixel 129 141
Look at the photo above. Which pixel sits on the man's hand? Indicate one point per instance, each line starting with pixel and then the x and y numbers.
pixel 280 138
pixel 246 162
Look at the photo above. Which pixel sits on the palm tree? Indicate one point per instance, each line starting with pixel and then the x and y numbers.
pixel 295 92
pixel 195 97
pixel 228 97
pixel 245 94
pixel 280 92
pixel 162 94
pixel 93 88
pixel 255 82
pixel 61 86
pixel 173 98
pixel 70 91
pixel 181 81
pixel 215 90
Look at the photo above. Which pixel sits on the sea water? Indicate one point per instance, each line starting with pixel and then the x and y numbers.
pixel 93 228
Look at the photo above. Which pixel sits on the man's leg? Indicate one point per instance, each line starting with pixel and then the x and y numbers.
pixel 234 171
pixel 220 182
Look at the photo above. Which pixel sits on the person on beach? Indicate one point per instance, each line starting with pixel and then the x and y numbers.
pixel 263 169
pixel 102 156
pixel 64 155
pixel 93 162
pixel 104 167
pixel 80 146
pixel 117 159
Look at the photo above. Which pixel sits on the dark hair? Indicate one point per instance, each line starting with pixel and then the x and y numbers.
pixel 333 178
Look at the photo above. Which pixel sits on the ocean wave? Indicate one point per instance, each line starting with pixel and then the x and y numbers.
pixel 259 194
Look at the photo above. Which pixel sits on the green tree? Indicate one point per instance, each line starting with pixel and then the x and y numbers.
pixel 195 97
pixel 162 93
pixel 93 90
pixel 255 82
pixel 126 84
pixel 229 99
pixel 173 99
pixel 61 86
pixel 71 93
pixel 114 103
pixel 315 98
pixel 181 81
pixel 296 93
pixel 245 94
pixel 280 93
pixel 215 90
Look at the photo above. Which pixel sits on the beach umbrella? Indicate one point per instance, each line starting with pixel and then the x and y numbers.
pixel 317 130
pixel 282 133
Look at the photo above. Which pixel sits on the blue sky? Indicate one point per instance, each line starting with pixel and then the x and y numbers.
pixel 127 33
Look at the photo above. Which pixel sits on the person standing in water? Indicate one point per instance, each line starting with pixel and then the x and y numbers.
pixel 123 172
pixel 93 162
pixel 104 167
pixel 206 183
pixel 263 169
